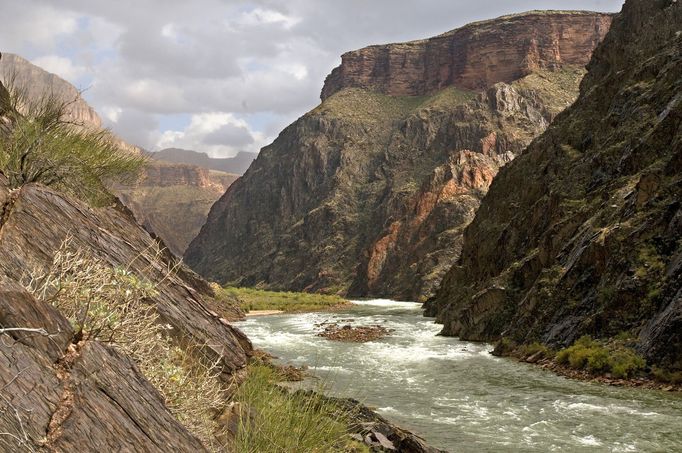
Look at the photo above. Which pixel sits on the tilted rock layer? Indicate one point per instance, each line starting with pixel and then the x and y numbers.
pixel 368 194
pixel 63 394
pixel 581 233
pixel 475 56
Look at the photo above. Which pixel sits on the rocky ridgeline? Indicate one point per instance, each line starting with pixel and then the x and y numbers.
pixel 580 235
pixel 64 394
pixel 368 194
pixel 475 56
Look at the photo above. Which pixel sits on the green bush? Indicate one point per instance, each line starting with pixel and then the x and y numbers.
pixel 598 357
pixel 39 144
pixel 529 350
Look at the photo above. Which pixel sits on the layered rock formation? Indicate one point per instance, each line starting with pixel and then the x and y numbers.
pixel 475 56
pixel 368 194
pixel 172 200
pixel 60 393
pixel 235 165
pixel 581 233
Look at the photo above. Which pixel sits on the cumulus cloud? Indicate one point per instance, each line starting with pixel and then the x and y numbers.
pixel 219 133
pixel 63 67
pixel 245 67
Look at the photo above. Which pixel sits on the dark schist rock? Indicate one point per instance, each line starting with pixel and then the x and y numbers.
pixel 581 233
pixel 35 222
pixel 59 396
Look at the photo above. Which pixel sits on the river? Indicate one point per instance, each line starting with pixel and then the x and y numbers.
pixel 459 397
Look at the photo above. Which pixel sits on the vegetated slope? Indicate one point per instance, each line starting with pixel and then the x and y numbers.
pixel 171 201
pixel 62 393
pixel 368 193
pixel 581 233
pixel 236 165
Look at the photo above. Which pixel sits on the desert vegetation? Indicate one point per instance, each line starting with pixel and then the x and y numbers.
pixel 286 301
pixel 39 144
pixel 107 304
pixel 275 419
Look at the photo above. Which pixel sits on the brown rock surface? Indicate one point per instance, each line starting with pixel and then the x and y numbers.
pixel 581 233
pixel 475 56
pixel 172 200
pixel 368 194
pixel 66 397
pixel 35 222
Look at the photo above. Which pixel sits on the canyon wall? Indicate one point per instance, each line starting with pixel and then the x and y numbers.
pixel 368 194
pixel 475 56
pixel 581 233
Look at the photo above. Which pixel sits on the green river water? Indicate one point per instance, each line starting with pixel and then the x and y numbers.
pixel 459 397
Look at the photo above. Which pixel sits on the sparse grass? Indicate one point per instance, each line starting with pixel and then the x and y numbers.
pixel 290 302
pixel 278 421
pixel 107 304
pixel 368 106
pixel 600 358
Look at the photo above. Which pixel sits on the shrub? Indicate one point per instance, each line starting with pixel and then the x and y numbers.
pixel 107 304
pixel 668 376
pixel 529 350
pixel 598 357
pixel 40 144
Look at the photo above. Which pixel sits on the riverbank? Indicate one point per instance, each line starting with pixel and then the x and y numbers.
pixel 613 362
pixel 458 396
pixel 257 302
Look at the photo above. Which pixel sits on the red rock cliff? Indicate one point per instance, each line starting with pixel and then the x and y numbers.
pixel 474 56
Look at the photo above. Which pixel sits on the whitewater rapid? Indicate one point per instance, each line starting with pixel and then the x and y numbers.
pixel 460 397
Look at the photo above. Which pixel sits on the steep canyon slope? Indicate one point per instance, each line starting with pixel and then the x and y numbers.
pixel 581 234
pixel 63 394
pixel 368 193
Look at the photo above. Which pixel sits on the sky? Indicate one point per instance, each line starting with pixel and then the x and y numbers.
pixel 221 76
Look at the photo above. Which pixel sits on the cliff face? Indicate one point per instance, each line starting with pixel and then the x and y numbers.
pixel 581 233
pixel 172 200
pixel 475 56
pixel 368 194
pixel 60 393
pixel 35 81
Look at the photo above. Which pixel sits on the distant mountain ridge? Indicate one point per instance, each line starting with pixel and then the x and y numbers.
pixel 236 165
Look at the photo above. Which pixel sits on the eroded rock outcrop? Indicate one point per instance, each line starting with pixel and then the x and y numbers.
pixel 475 56
pixel 60 393
pixel 368 194
pixel 35 222
pixel 581 233
pixel 172 200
